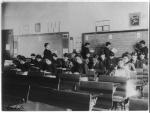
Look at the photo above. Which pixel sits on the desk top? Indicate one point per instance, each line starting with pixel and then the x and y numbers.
pixel 37 106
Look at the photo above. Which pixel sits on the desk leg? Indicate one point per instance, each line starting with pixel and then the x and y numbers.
pixel 27 98
pixel 58 87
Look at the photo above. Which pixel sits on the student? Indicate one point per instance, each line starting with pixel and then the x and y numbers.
pixel 55 63
pixel 72 59
pixel 143 48
pixel 102 64
pixel 127 64
pixel 134 59
pixel 142 62
pixel 78 65
pixel 47 65
pixel 95 64
pixel 87 63
pixel 107 50
pixel 16 61
pixel 111 63
pixel 39 62
pixel 33 61
pixel 65 61
pixel 47 52
pixel 130 87
pixel 85 50
pixel 120 70
pixel 24 66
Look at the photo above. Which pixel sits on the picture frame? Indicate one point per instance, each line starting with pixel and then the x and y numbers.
pixel 134 19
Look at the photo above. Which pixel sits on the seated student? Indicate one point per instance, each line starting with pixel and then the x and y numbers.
pixel 111 63
pixel 134 59
pixel 142 62
pixel 95 64
pixel 86 63
pixel 72 59
pixel 39 62
pixel 65 61
pixel 78 65
pixel 55 62
pixel 107 50
pixel 33 61
pixel 47 65
pixel 127 64
pixel 120 71
pixel 24 66
pixel 16 62
pixel 143 48
pixel 102 64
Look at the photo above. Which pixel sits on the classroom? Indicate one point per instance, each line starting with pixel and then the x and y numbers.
pixel 75 56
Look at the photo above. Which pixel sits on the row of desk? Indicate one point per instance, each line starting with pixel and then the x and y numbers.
pixel 48 88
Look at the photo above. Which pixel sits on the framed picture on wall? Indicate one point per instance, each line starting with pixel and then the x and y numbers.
pixel 134 19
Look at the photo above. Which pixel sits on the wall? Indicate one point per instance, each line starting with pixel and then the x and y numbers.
pixel 75 18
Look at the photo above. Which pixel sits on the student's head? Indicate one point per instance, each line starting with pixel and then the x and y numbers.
pixel 125 59
pixel 108 44
pixel 18 57
pixel 120 63
pixel 87 44
pixel 55 56
pixel 65 56
pixel 38 58
pixel 134 56
pixel 102 56
pixel 48 61
pixel 33 56
pixel 142 56
pixel 78 59
pixel 47 46
pixel 22 59
pixel 142 43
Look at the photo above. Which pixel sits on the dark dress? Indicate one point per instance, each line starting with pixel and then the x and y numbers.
pixel 84 51
pixel 107 52
pixel 39 64
pixel 48 54
pixel 102 67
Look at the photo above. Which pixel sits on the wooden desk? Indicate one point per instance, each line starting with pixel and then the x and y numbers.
pixel 36 106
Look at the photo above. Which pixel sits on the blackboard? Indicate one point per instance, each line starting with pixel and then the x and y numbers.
pixel 121 40
pixel 28 44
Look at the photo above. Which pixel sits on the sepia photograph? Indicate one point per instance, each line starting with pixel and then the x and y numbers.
pixel 75 56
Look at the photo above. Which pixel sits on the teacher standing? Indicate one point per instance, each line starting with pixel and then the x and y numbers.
pixel 47 52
